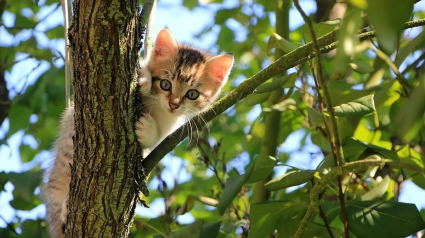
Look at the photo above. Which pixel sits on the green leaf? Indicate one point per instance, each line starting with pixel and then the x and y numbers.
pixel 286 81
pixel 291 178
pixel 361 67
pixel 358 148
pixel 320 29
pixel 359 107
pixel 268 216
pixel 56 32
pixel 282 106
pixel 315 118
pixel 254 99
pixel 411 115
pixel 25 183
pixel 383 219
pixel 411 156
pixel 388 18
pixel 27 153
pixel 34 229
pixel 264 165
pixel 188 204
pixel 3 181
pixel 190 4
pixel 233 187
pixel 190 231
pixel 376 192
pixel 22 22
pixel 19 118
pixel 352 22
pixel 283 44
pixel 23 203
pixel 210 230
pixel 360 4
pixel 7 233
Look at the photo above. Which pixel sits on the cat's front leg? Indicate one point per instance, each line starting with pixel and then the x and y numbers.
pixel 147 131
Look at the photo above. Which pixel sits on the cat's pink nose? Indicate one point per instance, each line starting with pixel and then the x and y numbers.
pixel 173 106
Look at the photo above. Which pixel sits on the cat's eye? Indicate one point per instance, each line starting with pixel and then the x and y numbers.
pixel 192 94
pixel 165 85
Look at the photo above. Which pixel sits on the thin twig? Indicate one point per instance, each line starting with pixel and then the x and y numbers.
pixel 145 18
pixel 333 137
pixel 400 78
pixel 323 216
pixel 300 55
pixel 9 226
pixel 148 34
pixel 414 64
pixel 68 61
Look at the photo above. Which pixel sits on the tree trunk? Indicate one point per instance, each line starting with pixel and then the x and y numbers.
pixel 105 44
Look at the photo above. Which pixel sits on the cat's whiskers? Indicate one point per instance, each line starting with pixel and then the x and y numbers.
pixel 189 133
pixel 192 115
pixel 198 114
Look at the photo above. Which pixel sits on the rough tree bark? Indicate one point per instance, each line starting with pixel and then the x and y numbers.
pixel 105 43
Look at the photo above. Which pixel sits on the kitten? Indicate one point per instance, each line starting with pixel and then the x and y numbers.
pixel 176 83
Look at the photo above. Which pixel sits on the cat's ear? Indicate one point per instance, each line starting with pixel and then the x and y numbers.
pixel 165 45
pixel 218 67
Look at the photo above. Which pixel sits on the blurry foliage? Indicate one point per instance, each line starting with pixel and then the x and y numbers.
pixel 380 115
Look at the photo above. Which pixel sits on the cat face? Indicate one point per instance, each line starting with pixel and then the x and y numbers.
pixel 184 79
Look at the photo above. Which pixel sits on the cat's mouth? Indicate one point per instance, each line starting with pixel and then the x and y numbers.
pixel 172 111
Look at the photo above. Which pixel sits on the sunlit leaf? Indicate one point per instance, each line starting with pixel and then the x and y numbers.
pixel 377 191
pixel 357 147
pixel 276 41
pixel 383 219
pixel 289 179
pixel 361 4
pixel 359 107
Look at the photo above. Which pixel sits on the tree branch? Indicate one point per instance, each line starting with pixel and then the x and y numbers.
pixel 333 135
pixel 292 59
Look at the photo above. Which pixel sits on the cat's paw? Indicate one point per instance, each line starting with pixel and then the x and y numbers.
pixel 144 78
pixel 146 131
